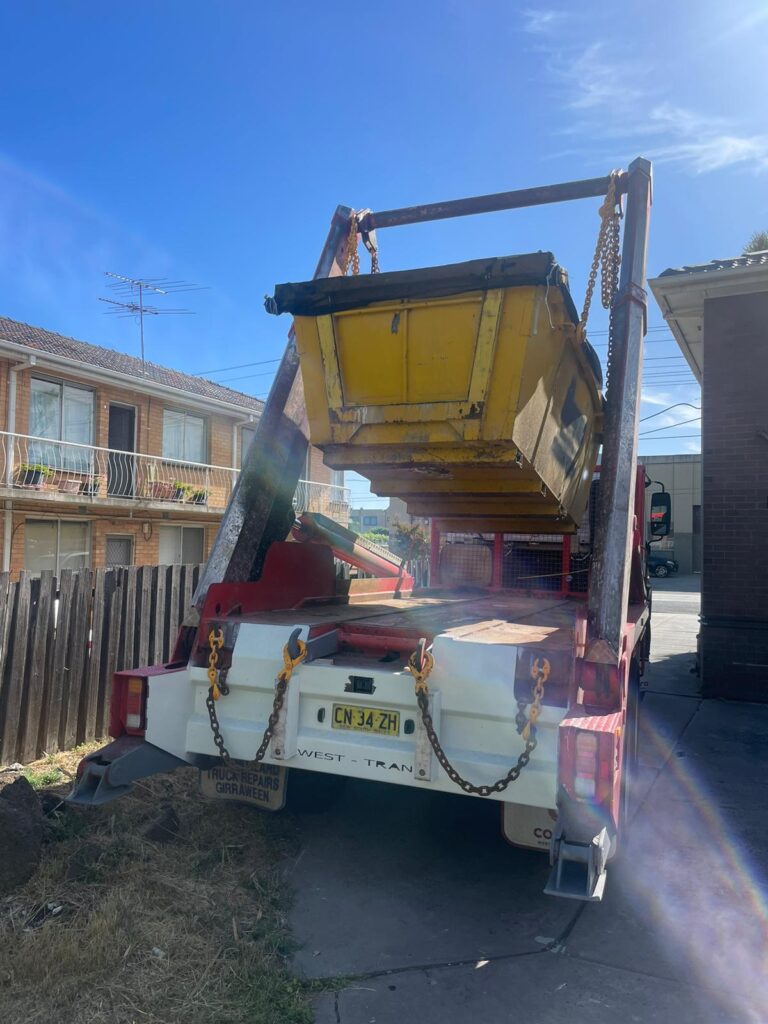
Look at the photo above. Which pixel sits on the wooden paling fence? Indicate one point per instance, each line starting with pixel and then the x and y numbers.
pixel 61 640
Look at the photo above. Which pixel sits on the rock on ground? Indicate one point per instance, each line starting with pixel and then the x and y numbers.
pixel 21 830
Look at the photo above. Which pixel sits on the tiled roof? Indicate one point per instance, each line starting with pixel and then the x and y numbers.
pixel 109 359
pixel 749 259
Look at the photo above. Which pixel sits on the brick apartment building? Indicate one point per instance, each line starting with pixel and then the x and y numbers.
pixel 718 313
pixel 106 461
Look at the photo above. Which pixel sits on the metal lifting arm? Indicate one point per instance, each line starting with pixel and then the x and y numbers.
pixel 609 576
pixel 260 509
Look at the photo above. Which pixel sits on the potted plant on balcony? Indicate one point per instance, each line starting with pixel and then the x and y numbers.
pixel 161 490
pixel 181 490
pixel 31 474
pixel 198 496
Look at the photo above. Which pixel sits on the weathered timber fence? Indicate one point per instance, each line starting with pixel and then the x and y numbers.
pixel 61 640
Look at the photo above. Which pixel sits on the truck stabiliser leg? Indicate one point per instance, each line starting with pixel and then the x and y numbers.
pixel 579 853
pixel 111 771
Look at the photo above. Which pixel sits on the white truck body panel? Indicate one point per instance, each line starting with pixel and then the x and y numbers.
pixel 474 710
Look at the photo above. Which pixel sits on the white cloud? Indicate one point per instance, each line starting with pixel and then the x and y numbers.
pixel 656 398
pixel 591 83
pixel 541 22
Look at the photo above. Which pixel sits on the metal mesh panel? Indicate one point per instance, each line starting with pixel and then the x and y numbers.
pixel 531 561
pixel 466 559
pixel 119 551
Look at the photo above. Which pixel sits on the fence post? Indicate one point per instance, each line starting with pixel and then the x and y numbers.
pixel 16 662
pixel 34 707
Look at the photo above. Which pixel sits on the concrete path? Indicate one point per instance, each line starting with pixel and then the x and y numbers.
pixel 428 916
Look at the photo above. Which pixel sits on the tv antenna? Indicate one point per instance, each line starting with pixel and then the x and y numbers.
pixel 131 293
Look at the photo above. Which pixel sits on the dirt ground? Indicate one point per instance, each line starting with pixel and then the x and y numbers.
pixel 186 927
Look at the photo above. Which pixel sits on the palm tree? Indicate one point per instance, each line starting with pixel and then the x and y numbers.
pixel 757 242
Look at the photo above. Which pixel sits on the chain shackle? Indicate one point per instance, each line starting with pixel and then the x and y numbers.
pixel 420 665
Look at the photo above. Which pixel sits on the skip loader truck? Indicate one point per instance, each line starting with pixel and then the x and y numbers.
pixel 471 392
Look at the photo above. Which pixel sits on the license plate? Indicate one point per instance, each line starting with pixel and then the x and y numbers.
pixel 261 785
pixel 360 719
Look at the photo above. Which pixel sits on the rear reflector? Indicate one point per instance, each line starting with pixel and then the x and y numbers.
pixel 134 703
pixel 585 769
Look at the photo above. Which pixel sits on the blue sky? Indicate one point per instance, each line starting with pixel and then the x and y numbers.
pixel 212 141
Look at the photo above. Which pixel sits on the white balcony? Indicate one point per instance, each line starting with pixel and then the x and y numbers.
pixel 330 499
pixel 39 469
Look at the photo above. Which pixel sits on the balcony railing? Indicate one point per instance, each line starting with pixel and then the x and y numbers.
pixel 64 470
pixel 330 499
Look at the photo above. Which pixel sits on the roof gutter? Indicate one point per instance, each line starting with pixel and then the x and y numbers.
pixel 114 376
pixel 681 297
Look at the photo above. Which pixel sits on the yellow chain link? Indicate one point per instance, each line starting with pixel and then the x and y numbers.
pixel 540 674
pixel 351 255
pixel 607 256
pixel 215 642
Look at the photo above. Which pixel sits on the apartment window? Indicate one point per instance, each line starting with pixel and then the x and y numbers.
pixel 370 520
pixel 61 412
pixel 184 436
pixel 246 436
pixel 119 551
pixel 56 544
pixel 181 545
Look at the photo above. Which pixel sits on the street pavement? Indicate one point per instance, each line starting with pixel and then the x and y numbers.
pixel 413 908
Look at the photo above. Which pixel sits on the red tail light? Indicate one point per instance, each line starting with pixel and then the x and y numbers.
pixel 128 707
pixel 585 766
pixel 135 704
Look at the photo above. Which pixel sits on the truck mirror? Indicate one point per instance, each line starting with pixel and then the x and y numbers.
pixel 661 514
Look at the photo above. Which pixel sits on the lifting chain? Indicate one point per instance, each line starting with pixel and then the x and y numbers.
pixel 420 665
pixel 607 255
pixel 351 255
pixel 216 641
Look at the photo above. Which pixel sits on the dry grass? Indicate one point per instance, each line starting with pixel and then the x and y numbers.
pixel 186 932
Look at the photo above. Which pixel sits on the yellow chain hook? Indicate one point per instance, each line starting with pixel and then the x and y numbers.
pixel 420 668
pixel 289 663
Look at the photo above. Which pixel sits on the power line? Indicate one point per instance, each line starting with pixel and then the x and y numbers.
pixel 675 406
pixel 674 437
pixel 240 366
pixel 694 419
pixel 247 376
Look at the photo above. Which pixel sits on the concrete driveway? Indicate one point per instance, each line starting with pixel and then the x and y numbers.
pixel 415 901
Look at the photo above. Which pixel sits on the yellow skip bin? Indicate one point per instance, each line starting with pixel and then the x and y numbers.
pixel 465 390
